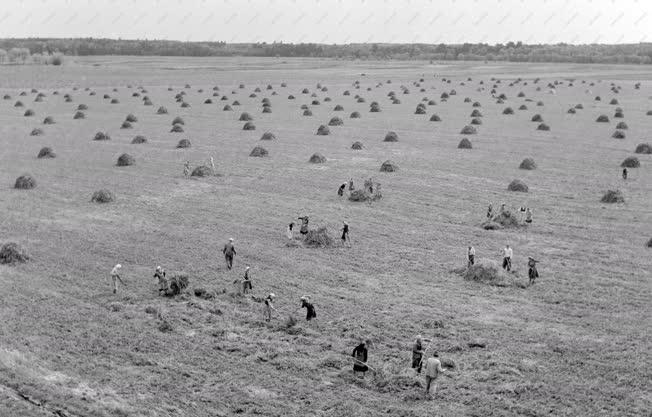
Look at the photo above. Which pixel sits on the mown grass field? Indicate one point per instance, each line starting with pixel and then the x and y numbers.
pixel 576 343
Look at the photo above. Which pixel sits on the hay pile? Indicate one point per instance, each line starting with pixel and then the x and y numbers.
pixel 162 110
pixel 476 121
pixel 508 110
pixel 518 186
pixel 46 152
pixel 318 238
pixel 36 132
pixel 476 113
pixel 435 118
pixel 307 112
pixel 227 108
pixel 644 148
pixel 649 243
pixel 79 115
pixel 464 144
pixel 489 272
pixel 618 134
pixel 336 121
pixel 25 182
pixel 323 130
pixel 125 125
pixel 249 126
pixel 338 108
pixel 364 194
pixel 11 253
pixel 138 139
pixel 183 143
pixel 388 166
pixel 528 163
pixel 28 113
pixel 317 158
pixel 178 283
pixel 543 127
pixel 131 118
pixel 268 136
pixel 537 118
pixel 102 196
pixel 102 136
pixel 391 137
pixel 259 151
pixel 603 118
pixel 631 162
pixel 468 130
pixel 125 160
pixel 202 171
pixel 613 196
pixel 357 146
pixel 503 219
pixel 355 115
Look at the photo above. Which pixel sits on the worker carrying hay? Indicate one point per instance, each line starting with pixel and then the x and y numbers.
pixel 304 225
pixel 360 354
pixel 532 272
pixel 470 254
pixel 115 277
pixel 310 308
pixel 159 274
pixel 229 252
pixel 433 369
pixel 269 306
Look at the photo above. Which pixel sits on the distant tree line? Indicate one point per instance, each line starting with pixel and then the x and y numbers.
pixel 22 55
pixel 640 53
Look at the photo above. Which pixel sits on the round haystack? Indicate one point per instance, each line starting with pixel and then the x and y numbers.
pixel 488 271
pixel 537 118
pixel 304 107
pixel 619 114
pixel 571 111
pixel 18 104
pixel 147 102
pixel 476 113
pixel 613 101
pixel 6 97
pixel 357 146
pixel 528 163
pixel 176 129
pixel 307 112
pixel 432 103
pixel 290 97
pixel 521 94
pixel 208 101
pixel 245 117
pixel 125 125
pixel 227 108
pixel 468 130
pixel 464 144
pixel 267 109
pixel 388 166
pixel 477 104
pixel 28 113
pixel 249 126
pixel 201 171
pixel 420 110
pixel 315 103
pixel 38 99
pixel 185 104
pixel 92 93
pixel 259 151
pixel 318 238
pixel 543 127
pixel 268 136
pixel 101 136
pixel 518 186
pixel 11 253
pixel 125 160
pixel 396 101
pixel 391 137
pixel 36 132
pixel 444 95
pixel 508 110
pixel 476 121
pixel 361 100
pixel 25 182
pixel 346 93
pixel 138 140
pixel 649 113
pixel 631 162
pixel 338 108
pixel 178 121
pixel 79 115
pixel 579 106
pixel 644 148
pixel 102 196
pixel 603 118
pixel 618 134
pixel 613 196
pixel 522 107
pixel 183 143
pixel 317 158
pixel 115 101
pixel 539 103
pixel 46 152
pixel 49 120
pixel 336 121
pixel 136 94
pixel 131 118
pixel 435 118
pixel 323 130
pixel 162 110
pixel 355 115
pixel 375 108
pixel 622 125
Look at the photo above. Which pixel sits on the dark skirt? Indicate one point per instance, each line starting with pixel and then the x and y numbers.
pixel 357 367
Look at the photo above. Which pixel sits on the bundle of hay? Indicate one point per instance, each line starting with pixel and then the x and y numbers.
pixel 357 146
pixel 249 126
pixel 101 136
pixel 477 104
pixel 318 238
pixel 178 121
pixel 36 132
pixel 46 152
pixel 115 101
pixel 579 106
pixel 79 115
pixel 338 108
pixel 543 127
pixel 323 130
pixel 522 107
pixel 317 158
pixel 18 104
pixel 201 171
pixel 571 111
pixel 49 120
pixel 464 144
pixel 102 196
pixel 125 125
pixel 613 101
pixel 208 101
pixel 391 136
pixel 468 130
pixel 388 166
pixel 290 97
pixel 649 113
pixel 618 134
pixel 490 272
pixel 603 118
pixel 138 139
pixel 183 143
pixel 518 186
pixel 268 136
pixel 11 253
pixel 6 97
pixel 537 118
pixel 315 102
pixel 420 110
pixel 528 163
pixel 631 162
pixel 622 125
pixel 613 196
pixel 177 284
pixel 644 148
pixel 435 118
pixel 346 93
pixel 355 115
pixel 267 109
pixel 363 194
pixel 25 182
pixel 476 113
pixel 162 110
pixel 336 121
pixel 521 94
pixel 259 151
pixel 185 104
pixel 125 160
pixel 176 129
pixel 476 122
pixel 508 110
pixel 649 243
pixel 619 114
pixel 227 108
pixel 307 112
pixel 28 113
pixel 374 108
pixel 504 218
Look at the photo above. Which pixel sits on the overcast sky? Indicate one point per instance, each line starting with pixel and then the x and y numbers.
pixel 334 21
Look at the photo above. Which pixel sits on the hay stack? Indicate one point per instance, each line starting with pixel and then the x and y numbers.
pixel 603 118
pixel 528 163
pixel 11 254
pixel 543 127
pixel 388 166
pixel 464 144
pixel 317 158
pixel 619 114
pixel 622 125
pixel 138 139
pixel 579 106
pixel 508 110
pixel 79 115
pixel 336 121
pixel 125 160
pixel 162 110
pixel 476 121
pixel 613 196
pixel 613 101
pixel 649 243
pixel 374 108
pixel 259 151
pixel 618 134
pixel 477 104
pixel 318 238
pixel 391 136
pixel 125 125
pixel 355 115
pixel 101 136
pixel 18 104
pixel 468 130
pixel 338 108
pixel 420 110
pixel 518 186
pixel 268 136
pixel 504 218
pixel 46 152
pixel 307 112
pixel 28 113
pixel 631 162
pixel 25 182
pixel 476 113
pixel 115 101
pixel 522 107
pixel 571 111
pixel 323 130
pixel 249 126
pixel 644 148
pixel 176 129
pixel 315 102
pixel 178 283
pixel 183 143
pixel 36 132
pixel 102 196
pixel 201 171
pixel 357 146
pixel 435 118
pixel 537 118
pixel 489 272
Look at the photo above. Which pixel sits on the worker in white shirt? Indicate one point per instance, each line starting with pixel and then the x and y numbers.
pixel 115 277
pixel 507 258
pixel 471 256
pixel 433 369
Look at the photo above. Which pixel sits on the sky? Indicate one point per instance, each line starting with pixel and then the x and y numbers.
pixel 334 21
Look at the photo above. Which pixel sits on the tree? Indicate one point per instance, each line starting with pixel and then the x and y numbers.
pixel 3 56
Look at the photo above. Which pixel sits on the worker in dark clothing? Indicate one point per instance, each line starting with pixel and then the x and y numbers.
pixel 162 281
pixel 246 282
pixel 310 308
pixel 229 252
pixel 532 272
pixel 624 173
pixel 304 225
pixel 345 234
pixel 417 354
pixel 340 191
pixel 360 357
pixel 351 188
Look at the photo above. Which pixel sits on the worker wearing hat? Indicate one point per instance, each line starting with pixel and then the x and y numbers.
pixel 532 272
pixel 310 308
pixel 115 277
pixel 162 281
pixel 269 306
pixel 229 253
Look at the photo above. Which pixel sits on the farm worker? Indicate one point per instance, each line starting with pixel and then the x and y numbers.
pixel 351 188
pixel 471 256
pixel 246 282
pixel 417 354
pixel 360 358
pixel 532 272
pixel 490 211
pixel 528 216
pixel 345 234
pixel 304 225
pixel 115 277
pixel 507 258
pixel 267 313
pixel 186 168
pixel 288 231
pixel 229 251
pixel 213 165
pixel 433 369
pixel 340 191
pixel 310 308
pixel 162 282
pixel 624 173
pixel 502 208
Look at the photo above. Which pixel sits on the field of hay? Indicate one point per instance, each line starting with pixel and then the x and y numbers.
pixel 575 343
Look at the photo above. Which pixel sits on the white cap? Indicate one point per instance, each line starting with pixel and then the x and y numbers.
pixel 271 295
pixel 247 268
pixel 230 239
pixel 158 268
pixel 118 266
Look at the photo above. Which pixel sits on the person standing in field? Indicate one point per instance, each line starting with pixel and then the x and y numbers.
pixel 246 282
pixel 269 306
pixel 624 173
pixel 310 308
pixel 289 232
pixel 162 281
pixel 360 358
pixel 433 369
pixel 532 272
pixel 304 225
pixel 417 354
pixel 345 234
pixel 340 191
pixel 115 277
pixel 507 258
pixel 471 256
pixel 490 211
pixel 351 188
pixel 229 252
pixel 528 216
pixel 186 168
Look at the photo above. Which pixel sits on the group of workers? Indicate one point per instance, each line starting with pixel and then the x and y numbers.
pixel 526 210
pixel 303 230
pixel 508 253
